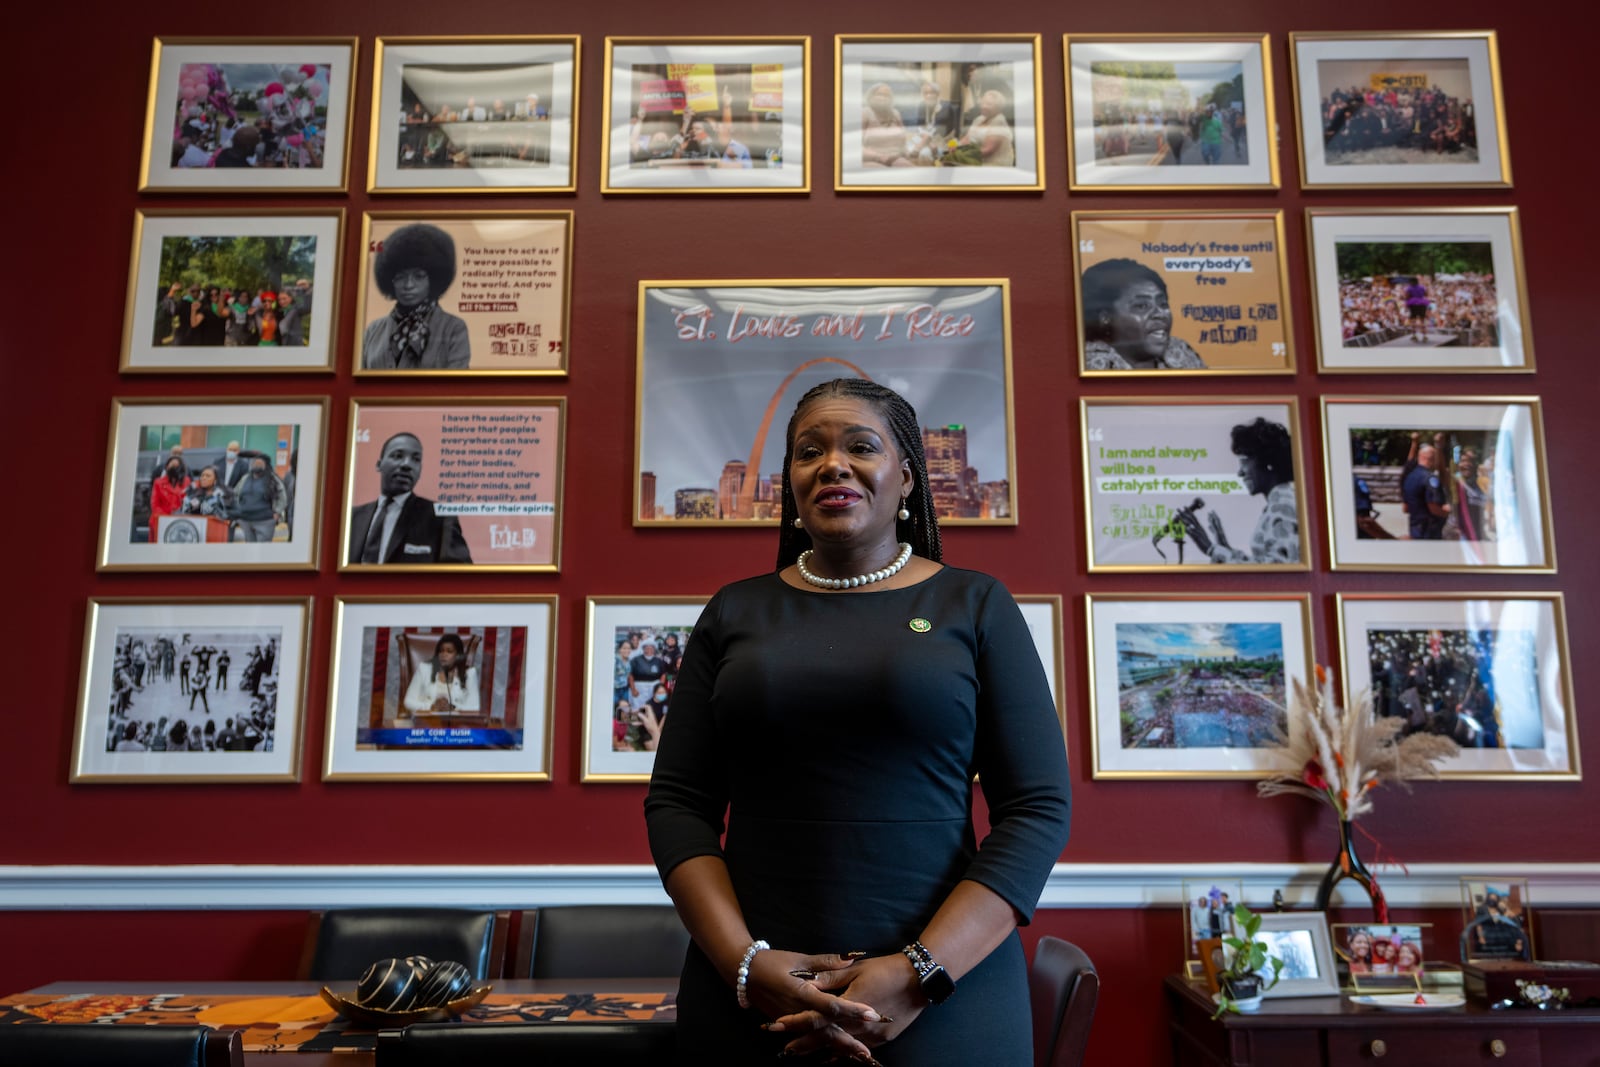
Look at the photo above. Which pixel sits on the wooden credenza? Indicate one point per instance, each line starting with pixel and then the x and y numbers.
pixel 1332 1032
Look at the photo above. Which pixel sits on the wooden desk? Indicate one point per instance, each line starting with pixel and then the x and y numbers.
pixel 289 1017
pixel 1332 1032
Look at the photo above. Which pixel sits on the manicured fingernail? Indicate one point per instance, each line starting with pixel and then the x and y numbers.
pixel 871 1016
pixel 774 1027
pixel 803 975
pixel 855 955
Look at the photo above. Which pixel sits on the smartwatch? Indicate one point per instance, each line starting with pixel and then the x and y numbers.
pixel 936 983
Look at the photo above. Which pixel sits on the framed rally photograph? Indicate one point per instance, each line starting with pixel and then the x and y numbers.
pixel 633 647
pixel 1181 292
pixel 441 688
pixel 474 115
pixel 1490 671
pixel 1434 483
pixel 1179 483
pixel 1164 112
pixel 213 483
pixel 1496 922
pixel 241 114
pixel 1417 290
pixel 1400 109
pixel 925 111
pixel 706 115
pixel 1301 940
pixel 232 290
pixel 1194 686
pixel 722 363
pixel 192 690
pixel 458 293
pixel 454 484
pixel 1382 957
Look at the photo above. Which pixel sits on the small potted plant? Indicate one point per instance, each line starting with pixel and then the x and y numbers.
pixel 1243 980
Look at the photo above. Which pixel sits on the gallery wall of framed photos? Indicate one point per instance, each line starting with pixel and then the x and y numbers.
pixel 541 444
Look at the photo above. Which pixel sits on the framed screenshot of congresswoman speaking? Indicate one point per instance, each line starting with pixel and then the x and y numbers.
pixel 468 482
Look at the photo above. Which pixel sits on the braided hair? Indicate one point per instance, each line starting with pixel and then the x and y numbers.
pixel 922 529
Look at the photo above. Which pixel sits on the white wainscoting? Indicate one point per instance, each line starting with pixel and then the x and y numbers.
pixel 1093 885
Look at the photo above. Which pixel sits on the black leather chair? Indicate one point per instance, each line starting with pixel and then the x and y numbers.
pixel 1063 989
pixel 85 1045
pixel 544 1044
pixel 341 944
pixel 601 941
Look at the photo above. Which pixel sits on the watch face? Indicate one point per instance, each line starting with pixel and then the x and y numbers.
pixel 937 985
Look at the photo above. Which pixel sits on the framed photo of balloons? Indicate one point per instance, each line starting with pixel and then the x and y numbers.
pixel 268 114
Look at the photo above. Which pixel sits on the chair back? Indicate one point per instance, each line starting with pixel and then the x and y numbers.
pixel 601 941
pixel 341 944
pixel 86 1045
pixel 1063 989
pixel 544 1044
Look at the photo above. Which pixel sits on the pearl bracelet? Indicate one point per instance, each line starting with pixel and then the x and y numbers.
pixel 741 986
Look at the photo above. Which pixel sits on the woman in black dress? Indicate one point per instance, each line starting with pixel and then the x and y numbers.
pixel 835 712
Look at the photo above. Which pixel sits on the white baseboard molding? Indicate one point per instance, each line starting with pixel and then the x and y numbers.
pixel 1071 885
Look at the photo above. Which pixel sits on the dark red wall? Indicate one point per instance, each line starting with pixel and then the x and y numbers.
pixel 79 80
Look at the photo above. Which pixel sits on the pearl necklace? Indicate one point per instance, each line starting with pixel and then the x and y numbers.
pixel 861 579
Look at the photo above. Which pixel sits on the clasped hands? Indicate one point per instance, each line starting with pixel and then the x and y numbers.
pixel 849 1005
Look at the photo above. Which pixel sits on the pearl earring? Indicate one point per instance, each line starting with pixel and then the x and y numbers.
pixel 902 514
pixel 798 525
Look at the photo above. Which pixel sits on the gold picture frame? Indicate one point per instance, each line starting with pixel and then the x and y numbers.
pixel 964 69
pixel 501 463
pixel 143 655
pixel 496 267
pixel 1360 100
pixel 1226 273
pixel 655 86
pixel 489 715
pixel 1110 145
pixel 431 134
pixel 1043 614
pixel 1493 515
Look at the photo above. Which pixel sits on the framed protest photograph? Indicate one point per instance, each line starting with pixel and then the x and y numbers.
pixel 1490 671
pixel 633 647
pixel 927 111
pixel 241 114
pixel 1434 483
pixel 474 115
pixel 1399 109
pixel 1042 613
pixel 706 115
pixel 456 293
pixel 457 483
pixel 1164 112
pixel 1383 957
pixel 441 688
pixel 1418 290
pixel 192 690
pixel 1178 483
pixel 213 483
pixel 1301 940
pixel 722 364
pixel 1496 922
pixel 1181 292
pixel 232 290
pixel 1194 686
pixel 1208 905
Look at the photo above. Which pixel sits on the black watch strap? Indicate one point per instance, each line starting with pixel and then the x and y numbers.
pixel 936 983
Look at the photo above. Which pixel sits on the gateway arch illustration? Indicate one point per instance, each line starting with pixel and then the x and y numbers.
pixel 744 507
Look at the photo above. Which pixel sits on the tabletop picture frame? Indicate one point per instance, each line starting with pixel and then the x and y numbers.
pixel 1208 905
pixel 297 93
pixel 1496 920
pixel 1182 484
pixel 149 526
pixel 731 358
pixel 1302 941
pixel 920 112
pixel 492 289
pixel 618 741
pixel 1383 957
pixel 1194 686
pixel 1419 290
pixel 278 269
pixel 1481 502
pixel 464 114
pixel 1140 108
pixel 146 661
pixel 706 115
pixel 486 713
pixel 477 480
pixel 1498 678
pixel 1175 293
pixel 1394 109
